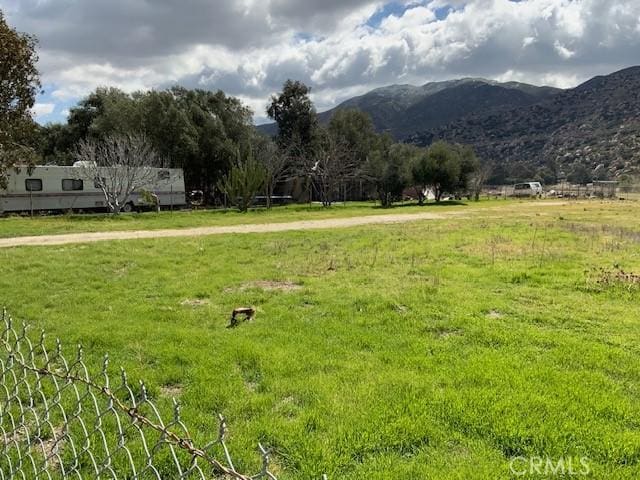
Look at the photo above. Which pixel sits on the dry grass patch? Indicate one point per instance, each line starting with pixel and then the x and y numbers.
pixel 267 286
pixel 444 332
pixel 52 447
pixel 16 436
pixel 195 302
pixel 171 391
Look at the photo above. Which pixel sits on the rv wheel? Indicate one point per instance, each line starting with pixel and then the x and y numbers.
pixel 128 207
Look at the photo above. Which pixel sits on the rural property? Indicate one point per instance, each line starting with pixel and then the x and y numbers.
pixel 319 240
pixel 433 348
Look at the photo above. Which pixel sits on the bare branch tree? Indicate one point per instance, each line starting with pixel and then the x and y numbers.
pixel 119 165
pixel 276 162
pixel 332 165
pixel 479 179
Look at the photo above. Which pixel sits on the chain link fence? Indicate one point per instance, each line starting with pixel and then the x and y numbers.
pixel 57 421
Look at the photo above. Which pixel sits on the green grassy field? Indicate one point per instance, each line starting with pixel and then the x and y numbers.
pixel 429 350
pixel 15 226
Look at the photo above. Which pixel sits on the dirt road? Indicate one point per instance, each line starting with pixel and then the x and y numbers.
pixel 45 240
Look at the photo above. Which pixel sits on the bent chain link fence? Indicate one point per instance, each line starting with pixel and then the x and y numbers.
pixel 57 422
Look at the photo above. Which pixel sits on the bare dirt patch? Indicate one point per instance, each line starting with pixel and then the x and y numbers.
pixel 400 308
pixel 288 400
pixel 16 436
pixel 494 314
pixel 449 333
pixel 171 391
pixel 52 447
pixel 443 332
pixel 251 386
pixel 287 407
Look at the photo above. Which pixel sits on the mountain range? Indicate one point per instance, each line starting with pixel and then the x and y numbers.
pixel 403 110
pixel 584 133
pixel 525 131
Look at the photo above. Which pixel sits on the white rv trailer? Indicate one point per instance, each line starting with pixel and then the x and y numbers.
pixel 56 188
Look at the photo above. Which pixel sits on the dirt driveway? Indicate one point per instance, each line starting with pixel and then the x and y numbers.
pixel 44 240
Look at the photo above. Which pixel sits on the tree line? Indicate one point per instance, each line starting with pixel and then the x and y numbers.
pixel 212 138
pixel 19 85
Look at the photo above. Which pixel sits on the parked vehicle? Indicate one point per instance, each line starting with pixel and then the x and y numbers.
pixel 528 189
pixel 58 188
pixel 275 200
pixel 196 198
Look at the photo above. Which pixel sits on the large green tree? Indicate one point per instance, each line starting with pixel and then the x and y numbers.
pixel 293 111
pixel 55 144
pixel 469 165
pixel 102 113
pixel 386 169
pixel 197 130
pixel 443 169
pixel 167 124
pixel 354 128
pixel 217 126
pixel 19 85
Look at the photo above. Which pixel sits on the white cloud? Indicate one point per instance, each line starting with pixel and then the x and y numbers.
pixel 414 17
pixel 558 80
pixel 251 47
pixel 43 109
pixel 563 51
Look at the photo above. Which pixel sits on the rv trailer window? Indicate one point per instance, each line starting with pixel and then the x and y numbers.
pixel 69 184
pixel 164 175
pixel 33 185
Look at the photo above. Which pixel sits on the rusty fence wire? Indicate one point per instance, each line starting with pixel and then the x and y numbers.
pixel 57 421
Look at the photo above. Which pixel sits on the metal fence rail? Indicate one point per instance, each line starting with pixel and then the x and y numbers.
pixel 57 421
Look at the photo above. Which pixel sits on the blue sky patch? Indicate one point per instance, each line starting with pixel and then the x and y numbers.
pixel 59 113
pixel 443 12
pixel 393 8
pixel 398 8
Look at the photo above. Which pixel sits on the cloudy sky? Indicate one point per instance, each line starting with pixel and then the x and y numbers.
pixel 342 48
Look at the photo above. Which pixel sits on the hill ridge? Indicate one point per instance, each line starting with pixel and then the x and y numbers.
pixel 588 132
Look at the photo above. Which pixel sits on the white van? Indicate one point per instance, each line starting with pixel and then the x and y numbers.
pixel 528 189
